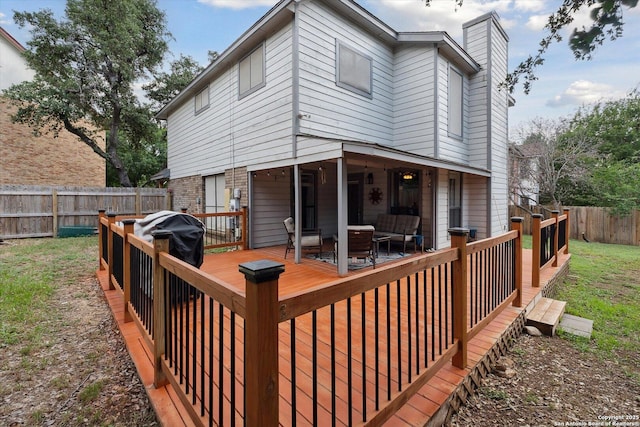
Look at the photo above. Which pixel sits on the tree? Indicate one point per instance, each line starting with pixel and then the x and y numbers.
pixel 166 85
pixel 607 23
pixel 86 66
pixel 142 158
pixel 557 155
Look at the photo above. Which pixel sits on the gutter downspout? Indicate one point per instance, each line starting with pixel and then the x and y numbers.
pixel 295 128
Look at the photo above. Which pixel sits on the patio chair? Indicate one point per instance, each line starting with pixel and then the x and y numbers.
pixel 359 243
pixel 309 241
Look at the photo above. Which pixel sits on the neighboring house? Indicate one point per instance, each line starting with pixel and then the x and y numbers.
pixel 322 112
pixel 523 186
pixel 26 159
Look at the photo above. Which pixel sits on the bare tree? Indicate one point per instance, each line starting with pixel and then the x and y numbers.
pixel 554 153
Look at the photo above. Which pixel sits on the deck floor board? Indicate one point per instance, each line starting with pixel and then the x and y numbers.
pixel 296 278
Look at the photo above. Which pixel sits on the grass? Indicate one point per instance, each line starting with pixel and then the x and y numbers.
pixel 604 286
pixel 30 272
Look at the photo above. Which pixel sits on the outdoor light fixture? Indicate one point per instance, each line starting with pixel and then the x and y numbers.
pixel 407 176
pixel 370 178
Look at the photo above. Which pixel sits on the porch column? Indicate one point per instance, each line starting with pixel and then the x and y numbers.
pixel 343 213
pixel 297 214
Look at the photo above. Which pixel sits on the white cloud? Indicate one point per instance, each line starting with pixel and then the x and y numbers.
pixel 238 4
pixel 529 5
pixel 537 22
pixel 441 15
pixel 582 92
pixel 4 20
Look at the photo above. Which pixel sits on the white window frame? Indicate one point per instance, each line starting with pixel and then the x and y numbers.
pixel 455 103
pixel 252 67
pixel 353 66
pixel 201 100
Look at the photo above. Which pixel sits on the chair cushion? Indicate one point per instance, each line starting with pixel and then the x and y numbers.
pixel 310 241
pixel 406 224
pixel 386 222
pixel 289 225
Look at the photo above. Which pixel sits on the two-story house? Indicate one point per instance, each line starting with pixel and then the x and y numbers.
pixel 323 112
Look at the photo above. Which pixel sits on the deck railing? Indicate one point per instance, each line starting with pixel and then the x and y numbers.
pixel 549 238
pixel 352 351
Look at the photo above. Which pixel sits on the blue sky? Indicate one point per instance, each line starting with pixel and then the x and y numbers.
pixel 564 84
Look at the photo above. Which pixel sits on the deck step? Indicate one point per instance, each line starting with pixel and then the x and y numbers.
pixel 546 315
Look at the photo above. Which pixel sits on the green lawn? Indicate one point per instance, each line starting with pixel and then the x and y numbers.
pixel 31 270
pixel 604 286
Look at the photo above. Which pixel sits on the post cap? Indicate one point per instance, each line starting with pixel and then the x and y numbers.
pixel 161 234
pixel 112 214
pixel 536 215
pixel 517 219
pixel 102 210
pixel 458 231
pixel 128 221
pixel 261 271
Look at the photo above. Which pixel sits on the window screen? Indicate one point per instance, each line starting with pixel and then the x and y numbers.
pixel 251 71
pixel 455 103
pixel 353 71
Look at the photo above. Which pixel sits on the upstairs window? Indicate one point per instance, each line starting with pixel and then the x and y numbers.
pixel 353 70
pixel 251 72
pixel 455 103
pixel 202 100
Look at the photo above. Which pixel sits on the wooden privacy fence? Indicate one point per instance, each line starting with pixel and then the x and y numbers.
pixel 40 211
pixel 351 351
pixel 597 224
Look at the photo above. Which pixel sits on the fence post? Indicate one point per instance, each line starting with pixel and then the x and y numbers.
pixel 567 231
pixel 459 294
pixel 554 215
pixel 138 201
pixel 261 342
pixel 245 232
pixel 516 224
pixel 536 248
pixel 111 217
pixel 101 214
pixel 126 265
pixel 160 244
pixel 54 205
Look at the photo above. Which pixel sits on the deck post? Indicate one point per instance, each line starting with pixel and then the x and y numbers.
pixel 459 291
pixel 536 248
pixel 160 244
pixel 261 342
pixel 516 225
pixel 555 215
pixel 126 265
pixel 567 231
pixel 245 231
pixel 111 217
pixel 101 214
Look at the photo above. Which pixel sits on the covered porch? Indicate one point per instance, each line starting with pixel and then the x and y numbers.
pixel 328 193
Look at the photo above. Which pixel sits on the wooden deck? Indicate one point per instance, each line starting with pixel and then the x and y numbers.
pixel 431 402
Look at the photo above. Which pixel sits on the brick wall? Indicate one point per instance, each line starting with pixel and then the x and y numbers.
pixel 186 192
pixel 29 160
pixel 238 180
